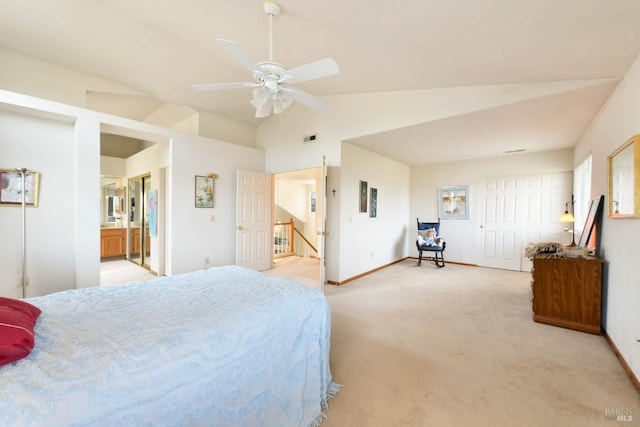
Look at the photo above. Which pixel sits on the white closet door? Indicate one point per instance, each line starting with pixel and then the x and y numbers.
pixel 517 210
pixel 546 198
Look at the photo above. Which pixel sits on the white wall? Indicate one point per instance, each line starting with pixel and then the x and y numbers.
pixel 29 76
pixel 45 146
pixel 356 115
pixel 198 233
pixel 333 223
pixel 615 124
pixel 112 166
pixel 62 142
pixel 291 196
pixel 367 243
pixel 216 127
pixel 462 235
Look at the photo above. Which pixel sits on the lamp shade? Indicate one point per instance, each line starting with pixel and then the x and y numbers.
pixel 567 217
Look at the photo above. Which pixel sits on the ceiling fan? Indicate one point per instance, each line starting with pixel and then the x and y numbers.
pixel 273 84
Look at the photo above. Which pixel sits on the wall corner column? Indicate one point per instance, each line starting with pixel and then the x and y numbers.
pixel 87 202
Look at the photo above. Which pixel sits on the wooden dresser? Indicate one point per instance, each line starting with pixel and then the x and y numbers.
pixel 567 292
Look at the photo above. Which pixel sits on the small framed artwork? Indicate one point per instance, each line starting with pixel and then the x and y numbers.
pixel 312 202
pixel 373 209
pixel 363 196
pixel 204 192
pixel 11 187
pixel 153 213
pixel 453 202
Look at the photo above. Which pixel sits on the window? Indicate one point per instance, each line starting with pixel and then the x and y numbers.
pixel 582 192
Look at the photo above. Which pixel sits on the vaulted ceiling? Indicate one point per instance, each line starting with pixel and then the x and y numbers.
pixel 162 48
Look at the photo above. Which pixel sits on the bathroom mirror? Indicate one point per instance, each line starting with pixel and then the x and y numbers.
pixel 111 201
pixel 624 176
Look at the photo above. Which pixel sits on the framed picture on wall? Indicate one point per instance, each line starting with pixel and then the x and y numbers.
pixel 11 187
pixel 313 202
pixel 373 211
pixel 204 192
pixel 153 213
pixel 453 202
pixel 363 196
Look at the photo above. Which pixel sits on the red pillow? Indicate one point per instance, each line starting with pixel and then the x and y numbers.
pixel 17 320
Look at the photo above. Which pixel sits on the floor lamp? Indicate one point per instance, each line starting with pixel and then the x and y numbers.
pixel 568 217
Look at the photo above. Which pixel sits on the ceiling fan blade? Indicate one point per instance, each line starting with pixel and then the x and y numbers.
pixel 307 99
pixel 234 50
pixel 221 86
pixel 314 70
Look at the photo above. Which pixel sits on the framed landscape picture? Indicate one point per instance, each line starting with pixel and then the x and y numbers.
pixel 453 202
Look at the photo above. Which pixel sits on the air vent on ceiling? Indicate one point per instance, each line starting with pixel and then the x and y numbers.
pixel 519 150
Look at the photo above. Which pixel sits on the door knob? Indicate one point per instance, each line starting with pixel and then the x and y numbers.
pixel 240 228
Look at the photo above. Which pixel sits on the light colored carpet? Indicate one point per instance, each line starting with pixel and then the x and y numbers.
pixel 300 269
pixel 119 271
pixel 422 346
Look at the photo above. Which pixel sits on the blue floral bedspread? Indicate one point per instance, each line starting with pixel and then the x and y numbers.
pixel 225 346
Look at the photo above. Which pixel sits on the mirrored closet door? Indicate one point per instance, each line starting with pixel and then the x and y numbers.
pixel 139 243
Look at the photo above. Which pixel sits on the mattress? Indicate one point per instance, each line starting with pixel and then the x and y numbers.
pixel 226 346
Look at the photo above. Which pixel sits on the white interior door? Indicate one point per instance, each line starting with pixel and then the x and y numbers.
pixel 545 202
pixel 253 220
pixel 500 207
pixel 516 210
pixel 323 222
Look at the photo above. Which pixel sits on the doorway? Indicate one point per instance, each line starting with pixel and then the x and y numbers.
pixel 132 154
pixel 298 202
pixel 139 242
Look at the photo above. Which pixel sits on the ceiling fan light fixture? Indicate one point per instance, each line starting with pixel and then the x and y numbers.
pixel 277 108
pixel 260 95
pixel 270 91
pixel 263 109
pixel 281 101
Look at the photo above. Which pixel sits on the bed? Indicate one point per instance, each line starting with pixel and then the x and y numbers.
pixel 226 346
